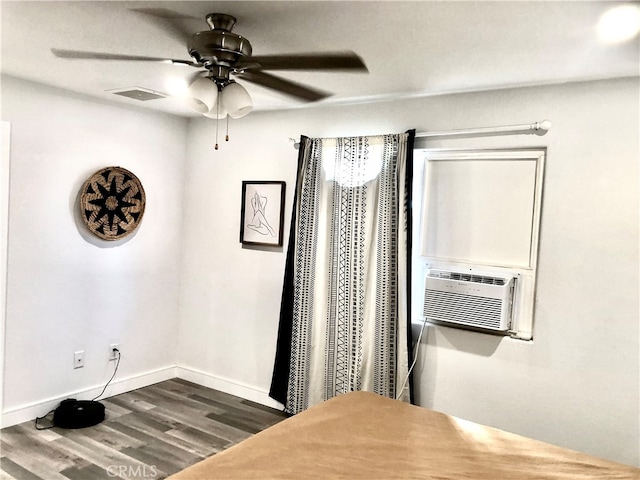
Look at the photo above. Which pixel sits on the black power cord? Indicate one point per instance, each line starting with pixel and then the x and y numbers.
pixel 38 427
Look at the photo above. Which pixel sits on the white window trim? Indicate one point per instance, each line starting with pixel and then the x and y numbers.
pixel 524 296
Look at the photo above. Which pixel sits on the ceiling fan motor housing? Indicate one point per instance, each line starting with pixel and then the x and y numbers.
pixel 218 46
pixel 221 21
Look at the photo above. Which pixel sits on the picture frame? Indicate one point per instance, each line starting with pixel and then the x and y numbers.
pixel 262 212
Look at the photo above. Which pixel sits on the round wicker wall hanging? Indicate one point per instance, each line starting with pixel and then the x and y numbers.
pixel 112 202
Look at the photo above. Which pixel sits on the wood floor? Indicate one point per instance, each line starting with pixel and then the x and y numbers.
pixel 149 433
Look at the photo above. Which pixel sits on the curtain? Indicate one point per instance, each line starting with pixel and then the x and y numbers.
pixel 345 311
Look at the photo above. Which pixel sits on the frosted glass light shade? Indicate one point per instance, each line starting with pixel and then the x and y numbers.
pixel 202 95
pixel 217 111
pixel 236 100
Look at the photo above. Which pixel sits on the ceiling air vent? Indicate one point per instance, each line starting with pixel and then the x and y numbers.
pixel 138 93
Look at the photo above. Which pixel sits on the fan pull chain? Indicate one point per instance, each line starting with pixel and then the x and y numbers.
pixel 227 137
pixel 217 121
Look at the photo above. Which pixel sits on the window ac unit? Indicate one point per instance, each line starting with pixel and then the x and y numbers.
pixel 466 299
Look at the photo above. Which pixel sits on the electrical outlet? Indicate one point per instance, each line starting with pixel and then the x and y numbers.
pixel 113 355
pixel 78 359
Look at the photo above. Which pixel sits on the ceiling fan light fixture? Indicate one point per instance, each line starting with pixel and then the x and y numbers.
pixel 236 100
pixel 202 95
pixel 217 111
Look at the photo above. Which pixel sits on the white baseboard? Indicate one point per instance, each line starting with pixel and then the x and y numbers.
pixel 226 385
pixel 37 409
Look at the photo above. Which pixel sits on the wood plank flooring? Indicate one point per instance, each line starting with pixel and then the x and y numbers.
pixel 148 433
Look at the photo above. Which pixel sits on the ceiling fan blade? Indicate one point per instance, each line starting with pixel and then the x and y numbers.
pixel 285 86
pixel 80 55
pixel 306 61
pixel 195 76
pixel 171 22
pixel 164 13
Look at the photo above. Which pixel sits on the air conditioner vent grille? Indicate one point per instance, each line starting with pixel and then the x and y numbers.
pixel 471 299
pixel 463 309
pixel 467 277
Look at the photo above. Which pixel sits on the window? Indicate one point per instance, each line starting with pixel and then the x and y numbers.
pixel 479 211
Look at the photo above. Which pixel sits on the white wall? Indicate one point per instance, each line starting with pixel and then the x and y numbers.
pixel 575 385
pixel 4 230
pixel 68 290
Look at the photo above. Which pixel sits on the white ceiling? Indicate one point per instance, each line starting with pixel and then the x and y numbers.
pixel 410 48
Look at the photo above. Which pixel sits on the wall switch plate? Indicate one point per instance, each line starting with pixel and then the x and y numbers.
pixel 113 355
pixel 78 359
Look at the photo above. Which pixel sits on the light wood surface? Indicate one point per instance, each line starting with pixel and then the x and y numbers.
pixel 149 433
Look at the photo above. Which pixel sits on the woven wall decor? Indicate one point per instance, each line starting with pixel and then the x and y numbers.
pixel 112 203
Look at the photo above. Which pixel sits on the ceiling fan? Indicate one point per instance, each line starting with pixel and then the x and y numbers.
pixel 222 53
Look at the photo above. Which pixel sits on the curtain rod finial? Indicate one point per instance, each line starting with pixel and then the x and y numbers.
pixel 542 127
pixel 293 142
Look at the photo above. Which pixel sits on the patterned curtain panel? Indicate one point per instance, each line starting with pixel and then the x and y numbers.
pixel 345 320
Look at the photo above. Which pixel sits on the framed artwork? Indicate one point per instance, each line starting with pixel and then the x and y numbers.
pixel 262 213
